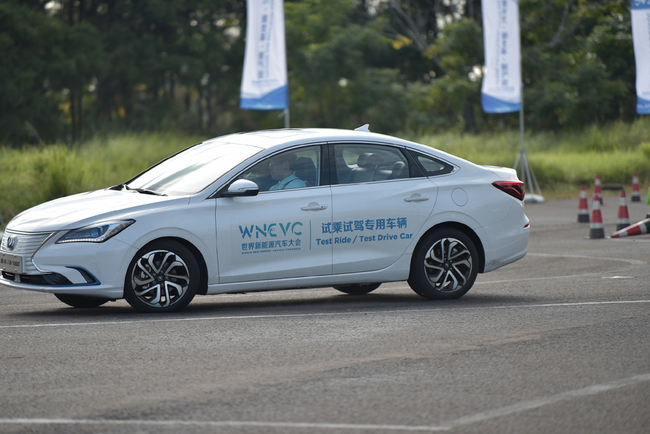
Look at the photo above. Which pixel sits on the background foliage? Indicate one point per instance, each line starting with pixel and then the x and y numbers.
pixel 562 160
pixel 76 68
pixel 94 91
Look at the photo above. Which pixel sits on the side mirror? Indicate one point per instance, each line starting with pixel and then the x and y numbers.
pixel 242 187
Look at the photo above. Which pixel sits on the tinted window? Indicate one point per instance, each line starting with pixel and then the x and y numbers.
pixel 288 170
pixel 367 163
pixel 433 166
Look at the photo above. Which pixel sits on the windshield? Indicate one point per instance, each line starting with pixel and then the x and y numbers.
pixel 192 170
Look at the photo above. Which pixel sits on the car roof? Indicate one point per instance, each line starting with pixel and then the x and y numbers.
pixel 266 139
pixel 273 140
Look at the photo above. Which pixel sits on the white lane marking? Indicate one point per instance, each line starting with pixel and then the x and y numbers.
pixel 307 315
pixel 550 255
pixel 222 424
pixel 443 426
pixel 548 400
pixel 629 261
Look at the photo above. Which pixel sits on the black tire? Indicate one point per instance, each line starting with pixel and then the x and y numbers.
pixel 358 288
pixel 162 277
pixel 444 265
pixel 81 301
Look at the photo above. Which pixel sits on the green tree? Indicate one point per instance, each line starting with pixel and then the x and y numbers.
pixel 81 66
pixel 578 62
pixel 28 105
pixel 340 69
pixel 577 68
pixel 451 99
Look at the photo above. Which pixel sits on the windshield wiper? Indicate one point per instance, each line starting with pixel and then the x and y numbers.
pixel 139 190
pixel 146 191
pixel 119 187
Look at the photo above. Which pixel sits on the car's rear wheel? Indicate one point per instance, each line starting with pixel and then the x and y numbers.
pixel 162 277
pixel 444 265
pixel 357 288
pixel 81 301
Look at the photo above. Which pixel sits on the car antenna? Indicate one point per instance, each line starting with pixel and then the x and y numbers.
pixel 364 128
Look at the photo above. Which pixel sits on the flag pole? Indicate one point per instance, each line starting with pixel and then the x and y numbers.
pixel 499 92
pixel 522 164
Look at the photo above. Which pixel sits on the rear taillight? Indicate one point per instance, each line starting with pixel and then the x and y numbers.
pixel 513 188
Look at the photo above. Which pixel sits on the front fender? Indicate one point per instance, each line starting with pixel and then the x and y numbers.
pixel 197 227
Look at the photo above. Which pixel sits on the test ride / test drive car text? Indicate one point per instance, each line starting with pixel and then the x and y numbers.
pixel 267 210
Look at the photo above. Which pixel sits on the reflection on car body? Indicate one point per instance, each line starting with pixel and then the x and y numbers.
pixel 281 209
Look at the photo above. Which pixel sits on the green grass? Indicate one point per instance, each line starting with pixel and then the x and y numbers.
pixel 33 175
pixel 561 161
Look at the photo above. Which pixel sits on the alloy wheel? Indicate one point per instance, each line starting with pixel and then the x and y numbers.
pixel 448 264
pixel 160 278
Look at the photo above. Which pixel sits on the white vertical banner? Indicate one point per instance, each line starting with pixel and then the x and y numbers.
pixel 641 37
pixel 264 81
pixel 501 88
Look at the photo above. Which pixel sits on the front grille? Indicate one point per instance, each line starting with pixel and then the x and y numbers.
pixel 25 245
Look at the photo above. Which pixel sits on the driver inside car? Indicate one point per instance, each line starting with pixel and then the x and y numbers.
pixel 281 169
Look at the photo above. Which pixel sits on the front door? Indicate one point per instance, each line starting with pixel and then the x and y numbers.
pixel 275 235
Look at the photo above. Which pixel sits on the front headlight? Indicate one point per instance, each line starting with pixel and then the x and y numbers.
pixel 97 233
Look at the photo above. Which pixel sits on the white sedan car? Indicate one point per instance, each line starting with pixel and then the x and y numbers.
pixel 269 210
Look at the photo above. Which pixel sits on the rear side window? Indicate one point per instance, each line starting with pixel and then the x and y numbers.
pixel 358 163
pixel 433 166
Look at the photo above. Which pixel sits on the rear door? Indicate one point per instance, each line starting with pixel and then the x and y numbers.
pixel 380 200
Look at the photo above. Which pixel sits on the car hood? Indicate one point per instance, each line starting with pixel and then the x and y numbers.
pixel 79 210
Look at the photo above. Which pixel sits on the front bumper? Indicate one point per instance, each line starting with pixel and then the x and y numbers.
pixel 91 269
pixel 101 290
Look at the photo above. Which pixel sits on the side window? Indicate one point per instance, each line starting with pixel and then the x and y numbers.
pixel 367 163
pixel 297 168
pixel 433 166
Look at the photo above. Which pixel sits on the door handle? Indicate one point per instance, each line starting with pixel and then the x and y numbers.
pixel 314 207
pixel 416 198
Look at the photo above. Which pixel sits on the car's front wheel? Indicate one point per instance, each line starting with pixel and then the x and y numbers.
pixel 81 301
pixel 358 288
pixel 162 277
pixel 444 265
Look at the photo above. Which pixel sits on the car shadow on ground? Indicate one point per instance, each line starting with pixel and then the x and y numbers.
pixel 278 303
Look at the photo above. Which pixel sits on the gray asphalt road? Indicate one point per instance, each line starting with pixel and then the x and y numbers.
pixel 557 342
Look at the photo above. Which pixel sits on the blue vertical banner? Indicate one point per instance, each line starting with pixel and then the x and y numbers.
pixel 641 37
pixel 264 81
pixel 501 88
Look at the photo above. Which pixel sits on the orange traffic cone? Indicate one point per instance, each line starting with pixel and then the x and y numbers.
pixel 597 230
pixel 643 227
pixel 623 214
pixel 636 195
pixel 598 189
pixel 583 209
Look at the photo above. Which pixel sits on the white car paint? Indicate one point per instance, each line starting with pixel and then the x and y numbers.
pixel 332 234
